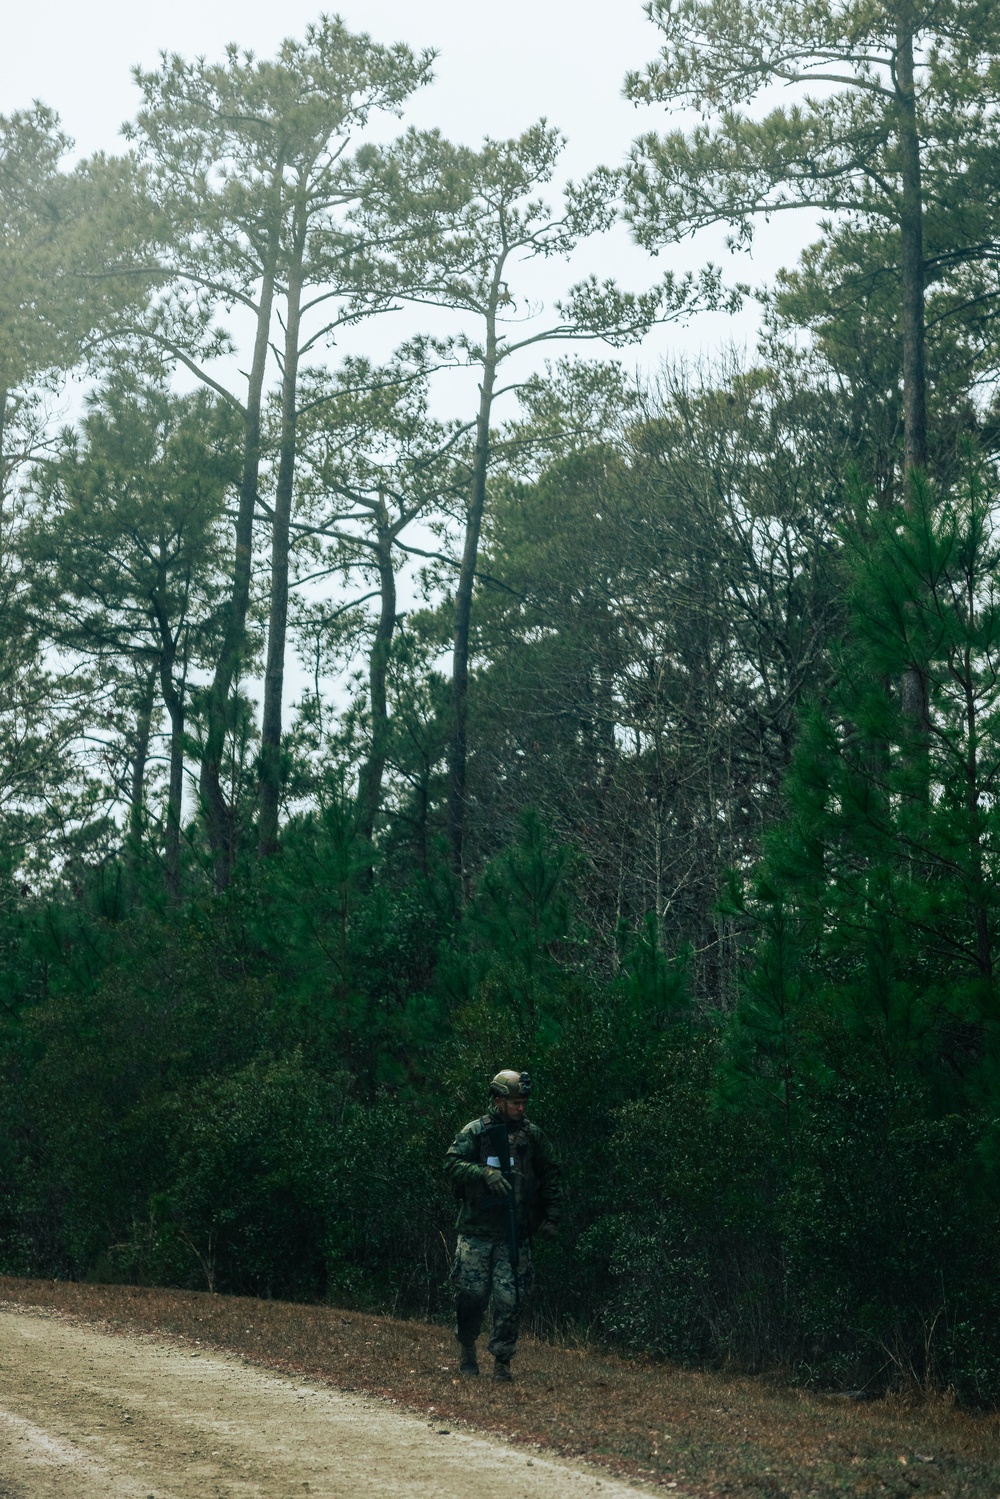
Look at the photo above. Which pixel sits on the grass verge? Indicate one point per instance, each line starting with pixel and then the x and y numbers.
pixel 699 1433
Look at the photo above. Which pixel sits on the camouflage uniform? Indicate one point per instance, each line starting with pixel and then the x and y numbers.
pixel 482 1257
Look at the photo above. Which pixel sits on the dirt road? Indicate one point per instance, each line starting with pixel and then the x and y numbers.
pixel 88 1415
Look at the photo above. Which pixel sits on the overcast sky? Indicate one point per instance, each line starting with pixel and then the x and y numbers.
pixel 500 66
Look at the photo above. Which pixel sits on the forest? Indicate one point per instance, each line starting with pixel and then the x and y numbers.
pixel 640 732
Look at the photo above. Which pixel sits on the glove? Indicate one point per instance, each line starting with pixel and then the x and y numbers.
pixel 496 1181
pixel 548 1229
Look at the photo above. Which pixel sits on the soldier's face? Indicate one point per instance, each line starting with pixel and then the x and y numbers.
pixel 511 1109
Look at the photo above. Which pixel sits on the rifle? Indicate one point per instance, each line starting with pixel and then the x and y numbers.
pixel 499 1146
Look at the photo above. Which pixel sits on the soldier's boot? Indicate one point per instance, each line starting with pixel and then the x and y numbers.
pixel 501 1371
pixel 469 1364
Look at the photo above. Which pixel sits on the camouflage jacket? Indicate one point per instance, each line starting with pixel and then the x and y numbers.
pixel 537 1195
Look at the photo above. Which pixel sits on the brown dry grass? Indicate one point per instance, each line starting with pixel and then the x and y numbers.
pixel 701 1433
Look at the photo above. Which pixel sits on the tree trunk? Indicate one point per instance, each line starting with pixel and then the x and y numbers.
pixel 911 253
pixel 174 702
pixel 218 817
pixel 373 770
pixel 458 745
pixel 172 844
pixel 277 630
pixel 144 718
pixel 913 687
pixel 980 883
pixel 172 840
pixel 4 398
pixel 423 813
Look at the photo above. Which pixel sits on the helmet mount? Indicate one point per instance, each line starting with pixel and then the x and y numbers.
pixel 510 1084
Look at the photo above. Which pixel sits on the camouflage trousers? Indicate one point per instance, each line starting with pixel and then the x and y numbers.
pixel 482 1267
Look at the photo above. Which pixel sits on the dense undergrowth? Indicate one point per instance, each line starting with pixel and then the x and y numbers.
pixel 251 1091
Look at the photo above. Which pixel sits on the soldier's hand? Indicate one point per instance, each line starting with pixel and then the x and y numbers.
pixel 496 1181
pixel 548 1229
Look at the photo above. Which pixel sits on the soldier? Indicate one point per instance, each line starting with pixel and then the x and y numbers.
pixel 483 1263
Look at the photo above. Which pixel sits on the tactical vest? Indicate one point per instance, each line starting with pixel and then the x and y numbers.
pixel 522 1152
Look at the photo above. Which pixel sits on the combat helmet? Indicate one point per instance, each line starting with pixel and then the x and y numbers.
pixel 508 1084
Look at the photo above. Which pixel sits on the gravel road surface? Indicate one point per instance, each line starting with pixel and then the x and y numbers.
pixel 90 1415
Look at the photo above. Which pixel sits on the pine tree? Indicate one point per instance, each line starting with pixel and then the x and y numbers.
pixel 865 1044
pixel 892 127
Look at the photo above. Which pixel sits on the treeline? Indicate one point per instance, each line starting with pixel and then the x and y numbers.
pixel 648 734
